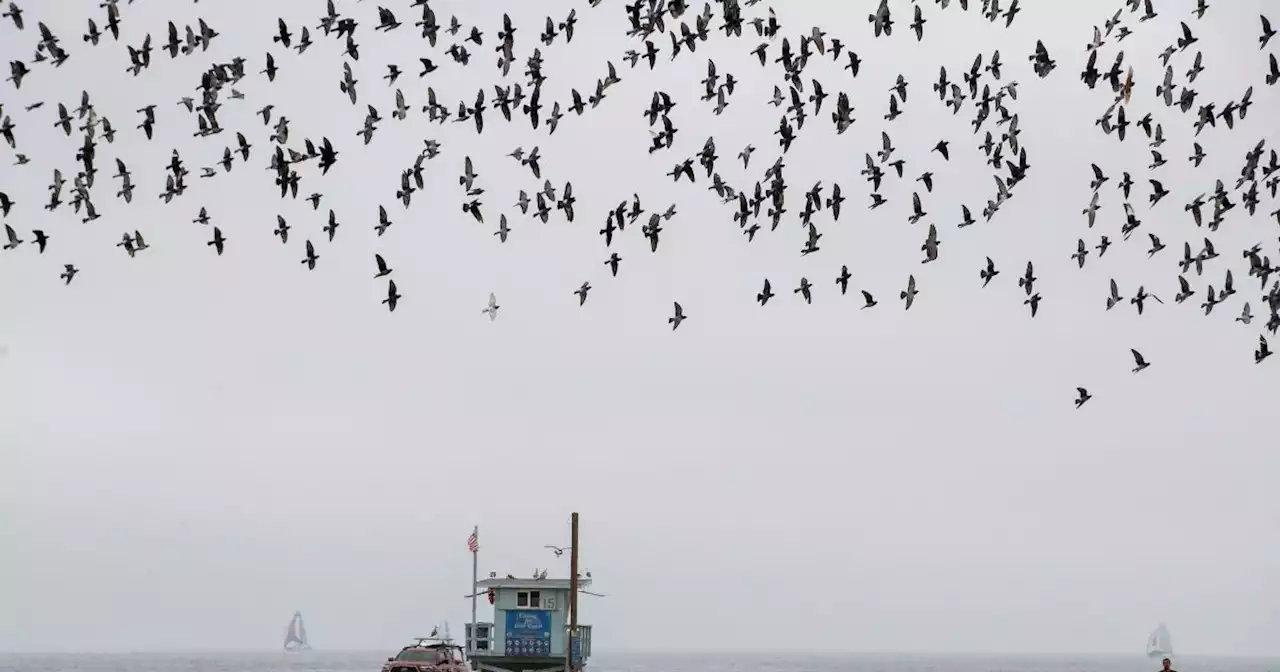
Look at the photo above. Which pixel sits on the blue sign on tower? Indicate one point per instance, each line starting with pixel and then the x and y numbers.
pixel 528 633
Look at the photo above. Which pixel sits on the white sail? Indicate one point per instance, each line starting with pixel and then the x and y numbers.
pixel 1159 643
pixel 296 637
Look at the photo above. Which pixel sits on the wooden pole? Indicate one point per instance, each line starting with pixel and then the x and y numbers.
pixel 573 593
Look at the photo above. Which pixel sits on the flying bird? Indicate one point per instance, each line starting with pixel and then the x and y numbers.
pixel 988 273
pixel 492 311
pixel 1139 362
pixel 1083 396
pixel 677 317
pixel 908 295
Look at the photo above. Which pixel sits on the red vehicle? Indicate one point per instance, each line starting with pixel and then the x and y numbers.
pixel 428 654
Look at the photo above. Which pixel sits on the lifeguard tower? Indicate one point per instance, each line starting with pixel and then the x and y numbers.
pixel 531 623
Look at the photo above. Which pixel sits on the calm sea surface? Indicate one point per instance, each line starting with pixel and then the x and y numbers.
pixel 630 662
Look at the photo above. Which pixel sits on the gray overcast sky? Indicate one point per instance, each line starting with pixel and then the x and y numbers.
pixel 193 446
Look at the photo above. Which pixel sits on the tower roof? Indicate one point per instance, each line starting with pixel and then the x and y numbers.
pixel 532 584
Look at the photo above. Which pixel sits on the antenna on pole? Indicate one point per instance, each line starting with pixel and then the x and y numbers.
pixel 573 593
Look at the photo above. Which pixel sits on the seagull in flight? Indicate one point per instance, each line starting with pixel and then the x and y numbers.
pixel 492 311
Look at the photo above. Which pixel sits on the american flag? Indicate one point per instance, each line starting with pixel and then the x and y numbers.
pixel 473 542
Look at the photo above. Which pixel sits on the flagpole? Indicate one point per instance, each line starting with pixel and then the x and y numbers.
pixel 475 587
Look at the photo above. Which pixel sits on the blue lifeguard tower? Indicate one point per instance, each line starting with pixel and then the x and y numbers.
pixel 531 623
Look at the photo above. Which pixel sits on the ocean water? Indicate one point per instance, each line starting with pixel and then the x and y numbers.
pixel 316 661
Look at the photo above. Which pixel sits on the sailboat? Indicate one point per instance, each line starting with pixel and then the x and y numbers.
pixel 296 639
pixel 1159 644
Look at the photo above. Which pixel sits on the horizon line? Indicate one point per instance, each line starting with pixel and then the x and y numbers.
pixel 816 653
